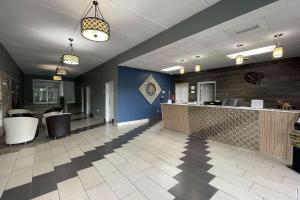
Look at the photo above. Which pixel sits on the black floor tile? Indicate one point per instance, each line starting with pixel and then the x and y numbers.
pixel 94 155
pixel 43 184
pixel 81 162
pixel 105 149
pixel 197 162
pixel 194 171
pixel 18 193
pixel 64 172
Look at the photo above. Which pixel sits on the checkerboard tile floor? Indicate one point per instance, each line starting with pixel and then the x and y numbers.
pixel 138 162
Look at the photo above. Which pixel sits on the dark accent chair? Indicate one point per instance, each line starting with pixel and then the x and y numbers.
pixel 230 102
pixel 58 125
pixel 57 109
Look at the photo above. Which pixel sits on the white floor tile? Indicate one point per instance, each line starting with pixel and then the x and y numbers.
pixel 166 167
pixel 19 177
pixel 104 167
pixel 3 181
pixel 115 159
pixel 152 190
pixel 222 196
pixel 42 155
pixel 131 172
pixel 137 195
pixel 139 163
pixel 60 159
pixel 123 152
pixel 90 177
pixel 267 193
pixel 71 189
pixel 119 184
pixel 49 196
pixel 24 161
pixel 233 190
pixel 74 152
pixel 161 178
pixel 101 192
pixel 42 167
pixel 231 178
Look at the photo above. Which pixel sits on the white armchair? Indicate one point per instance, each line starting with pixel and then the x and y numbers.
pixel 19 129
pixel 19 111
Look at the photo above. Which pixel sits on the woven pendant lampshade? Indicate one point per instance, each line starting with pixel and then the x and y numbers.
pixel 197 66
pixel 61 71
pixel 239 59
pixel 95 28
pixel 57 78
pixel 69 58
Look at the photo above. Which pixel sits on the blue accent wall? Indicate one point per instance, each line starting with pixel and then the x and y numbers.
pixel 132 105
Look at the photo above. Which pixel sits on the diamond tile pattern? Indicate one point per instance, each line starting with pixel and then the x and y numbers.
pixel 143 161
pixel 232 126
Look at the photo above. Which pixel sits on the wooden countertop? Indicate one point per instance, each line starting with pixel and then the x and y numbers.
pixel 232 107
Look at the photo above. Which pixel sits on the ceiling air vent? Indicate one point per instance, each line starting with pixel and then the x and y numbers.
pixel 247 29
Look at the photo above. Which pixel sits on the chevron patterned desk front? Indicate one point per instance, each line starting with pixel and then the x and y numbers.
pixel 263 130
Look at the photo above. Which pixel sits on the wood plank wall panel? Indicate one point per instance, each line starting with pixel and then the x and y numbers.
pixel 175 117
pixel 274 129
pixel 282 81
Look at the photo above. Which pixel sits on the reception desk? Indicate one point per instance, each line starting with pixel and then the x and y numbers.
pixel 263 130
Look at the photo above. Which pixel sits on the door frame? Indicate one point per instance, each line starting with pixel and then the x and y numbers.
pixel 109 101
pixel 203 83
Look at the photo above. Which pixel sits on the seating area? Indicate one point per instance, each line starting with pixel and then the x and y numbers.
pixel 149 100
pixel 20 125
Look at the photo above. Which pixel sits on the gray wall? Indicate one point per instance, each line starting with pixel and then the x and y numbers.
pixel 9 66
pixel 96 80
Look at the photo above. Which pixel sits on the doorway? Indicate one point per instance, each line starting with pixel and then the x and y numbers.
pixel 86 100
pixel 109 101
pixel 181 93
pixel 206 92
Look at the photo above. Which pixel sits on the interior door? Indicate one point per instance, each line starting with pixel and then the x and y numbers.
pixel 109 101
pixel 206 92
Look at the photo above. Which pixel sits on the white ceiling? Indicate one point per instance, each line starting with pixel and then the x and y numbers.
pixel 36 32
pixel 215 43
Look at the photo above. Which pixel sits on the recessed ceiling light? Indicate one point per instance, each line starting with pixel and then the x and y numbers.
pixel 169 69
pixel 252 52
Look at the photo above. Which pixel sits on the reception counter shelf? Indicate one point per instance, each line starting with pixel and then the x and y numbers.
pixel 263 130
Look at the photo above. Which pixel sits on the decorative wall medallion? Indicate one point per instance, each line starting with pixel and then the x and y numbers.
pixel 150 89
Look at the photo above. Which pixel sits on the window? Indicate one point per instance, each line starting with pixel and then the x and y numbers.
pixel 45 92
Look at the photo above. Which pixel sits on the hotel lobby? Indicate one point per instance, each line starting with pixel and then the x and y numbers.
pixel 150 100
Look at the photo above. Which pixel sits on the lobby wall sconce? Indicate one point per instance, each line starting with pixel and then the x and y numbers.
pixel 278 50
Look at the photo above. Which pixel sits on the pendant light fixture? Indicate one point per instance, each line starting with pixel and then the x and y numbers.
pixel 197 66
pixel 239 58
pixel 57 78
pixel 93 27
pixel 181 70
pixel 60 70
pixel 278 50
pixel 70 58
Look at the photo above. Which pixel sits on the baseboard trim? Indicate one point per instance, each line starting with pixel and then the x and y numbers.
pixel 132 122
